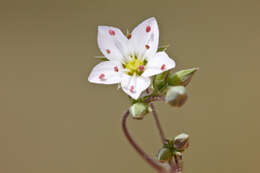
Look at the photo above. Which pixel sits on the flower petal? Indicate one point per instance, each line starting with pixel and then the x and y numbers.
pixel 112 42
pixel 145 38
pixel 107 72
pixel 159 63
pixel 133 86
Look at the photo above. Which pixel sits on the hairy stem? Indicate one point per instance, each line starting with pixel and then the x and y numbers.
pixel 149 160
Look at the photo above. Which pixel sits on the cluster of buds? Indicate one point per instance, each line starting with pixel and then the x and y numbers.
pixel 173 148
pixel 168 87
pixel 176 94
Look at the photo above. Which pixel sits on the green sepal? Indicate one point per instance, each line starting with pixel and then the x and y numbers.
pixel 164 154
pixel 102 58
pixel 163 48
pixel 160 82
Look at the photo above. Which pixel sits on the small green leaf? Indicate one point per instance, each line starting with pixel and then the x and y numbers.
pixel 102 58
pixel 163 48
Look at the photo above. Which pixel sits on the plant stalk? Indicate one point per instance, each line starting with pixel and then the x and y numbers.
pixel 161 133
pixel 149 160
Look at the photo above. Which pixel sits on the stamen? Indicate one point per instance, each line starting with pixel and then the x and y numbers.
pixel 101 76
pixel 112 32
pixel 148 29
pixel 163 67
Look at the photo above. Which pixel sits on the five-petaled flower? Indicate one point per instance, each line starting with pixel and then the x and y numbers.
pixel 132 59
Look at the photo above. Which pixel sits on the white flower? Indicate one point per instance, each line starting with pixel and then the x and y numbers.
pixel 132 60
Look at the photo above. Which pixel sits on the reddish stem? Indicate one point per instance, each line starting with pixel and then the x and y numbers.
pixel 154 98
pixel 149 160
pixel 163 139
pixel 157 121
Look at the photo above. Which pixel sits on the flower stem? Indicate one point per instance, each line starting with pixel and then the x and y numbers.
pixel 149 160
pixel 173 166
pixel 154 98
pixel 158 124
pixel 163 139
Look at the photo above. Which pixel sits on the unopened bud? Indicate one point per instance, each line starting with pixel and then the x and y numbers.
pixel 164 155
pixel 139 110
pixel 182 77
pixel 176 96
pixel 181 142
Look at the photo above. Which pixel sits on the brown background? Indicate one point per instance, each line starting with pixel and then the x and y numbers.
pixel 52 120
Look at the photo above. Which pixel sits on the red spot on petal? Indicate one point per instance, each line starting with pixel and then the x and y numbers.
pixel 132 89
pixel 108 51
pixel 147 46
pixel 129 36
pixel 163 67
pixel 148 29
pixel 116 69
pixel 101 76
pixel 112 32
pixel 141 68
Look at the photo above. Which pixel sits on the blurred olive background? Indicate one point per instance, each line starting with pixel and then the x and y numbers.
pixel 52 120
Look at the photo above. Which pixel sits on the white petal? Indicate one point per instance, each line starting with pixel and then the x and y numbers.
pixel 112 42
pixel 107 72
pixel 159 63
pixel 133 86
pixel 145 38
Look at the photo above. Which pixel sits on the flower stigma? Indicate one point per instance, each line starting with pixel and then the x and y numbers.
pixel 135 66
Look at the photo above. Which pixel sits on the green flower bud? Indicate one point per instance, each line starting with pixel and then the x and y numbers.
pixel 164 155
pixel 139 110
pixel 182 77
pixel 159 81
pixel 181 142
pixel 176 96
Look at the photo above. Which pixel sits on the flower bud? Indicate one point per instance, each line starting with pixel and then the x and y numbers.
pixel 181 142
pixel 182 77
pixel 164 155
pixel 139 110
pixel 176 96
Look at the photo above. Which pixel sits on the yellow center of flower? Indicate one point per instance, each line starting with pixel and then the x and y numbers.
pixel 135 66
